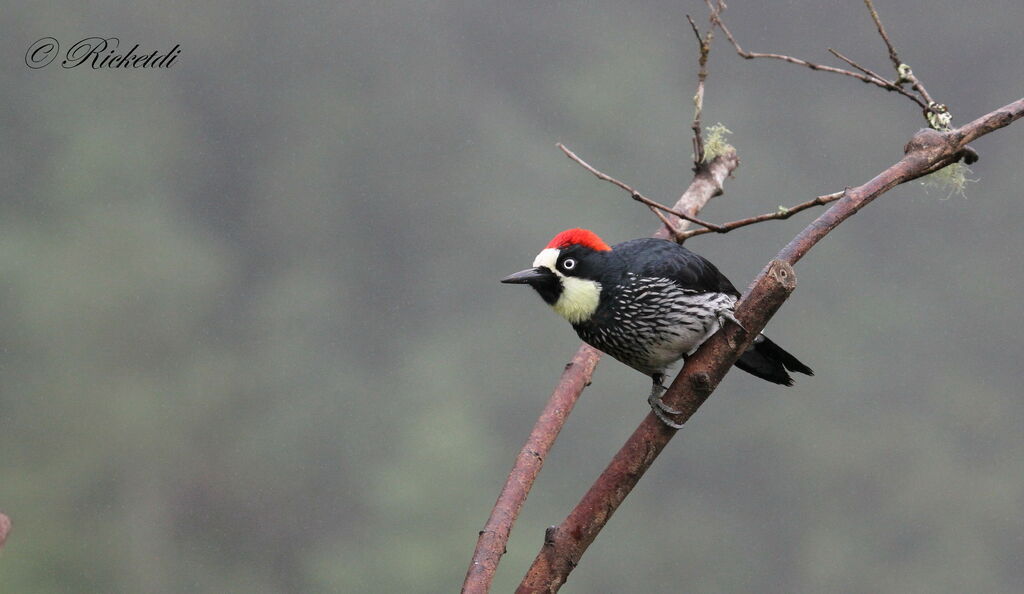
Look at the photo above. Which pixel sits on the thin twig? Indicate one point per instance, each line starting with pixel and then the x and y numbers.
pixel 936 114
pixel 891 85
pixel 781 214
pixel 813 66
pixel 863 69
pixel 657 206
pixel 664 221
pixel 698 97
pixel 885 36
pixel 903 71
pixel 708 227
pixel 883 82
pixel 636 195
pixel 908 75
pixel 870 79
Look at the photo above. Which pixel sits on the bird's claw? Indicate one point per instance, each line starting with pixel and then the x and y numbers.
pixel 659 404
pixel 659 408
pixel 728 315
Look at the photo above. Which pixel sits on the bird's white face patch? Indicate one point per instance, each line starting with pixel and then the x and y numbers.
pixel 548 258
pixel 579 297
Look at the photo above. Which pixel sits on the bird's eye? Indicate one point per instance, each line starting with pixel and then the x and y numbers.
pixel 568 264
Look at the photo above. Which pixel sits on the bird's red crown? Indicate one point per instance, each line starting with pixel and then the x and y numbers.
pixel 582 237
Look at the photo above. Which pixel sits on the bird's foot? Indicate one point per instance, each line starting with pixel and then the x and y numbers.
pixel 659 408
pixel 726 314
pixel 664 418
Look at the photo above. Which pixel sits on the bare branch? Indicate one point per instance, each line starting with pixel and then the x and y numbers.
pixel 5 529
pixel 781 214
pixel 813 66
pixel 491 543
pixel 666 223
pixel 698 98
pixel 873 79
pixel 881 81
pixel 708 227
pixel 895 59
pixel 696 31
pixel 636 195
pixel 903 71
pixel 927 151
pixel 930 105
pixel 867 71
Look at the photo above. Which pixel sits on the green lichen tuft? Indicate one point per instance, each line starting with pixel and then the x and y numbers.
pixel 938 117
pixel 906 74
pixel 951 179
pixel 715 144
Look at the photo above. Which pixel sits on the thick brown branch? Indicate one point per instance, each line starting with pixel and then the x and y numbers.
pixel 566 543
pixel 490 547
pixel 928 151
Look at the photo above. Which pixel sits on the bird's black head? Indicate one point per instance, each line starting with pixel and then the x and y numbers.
pixel 565 273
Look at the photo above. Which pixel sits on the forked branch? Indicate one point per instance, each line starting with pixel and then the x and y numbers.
pixel 635 195
pixel 935 113
pixel 779 215
pixel 903 71
pixel 707 227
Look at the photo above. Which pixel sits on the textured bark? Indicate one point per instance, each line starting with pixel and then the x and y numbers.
pixel 5 529
pixel 706 184
pixel 490 545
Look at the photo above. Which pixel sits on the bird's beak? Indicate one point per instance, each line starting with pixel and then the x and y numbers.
pixel 529 276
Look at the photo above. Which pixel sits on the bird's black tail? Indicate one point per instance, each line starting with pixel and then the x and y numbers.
pixel 768 361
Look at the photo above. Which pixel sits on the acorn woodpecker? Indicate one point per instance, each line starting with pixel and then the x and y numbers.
pixel 648 303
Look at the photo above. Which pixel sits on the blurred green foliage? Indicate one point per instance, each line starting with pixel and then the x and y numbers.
pixel 253 339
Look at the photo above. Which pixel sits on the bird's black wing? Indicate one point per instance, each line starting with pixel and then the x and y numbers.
pixel 666 259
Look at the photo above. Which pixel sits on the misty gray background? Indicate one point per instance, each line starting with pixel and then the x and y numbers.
pixel 253 338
